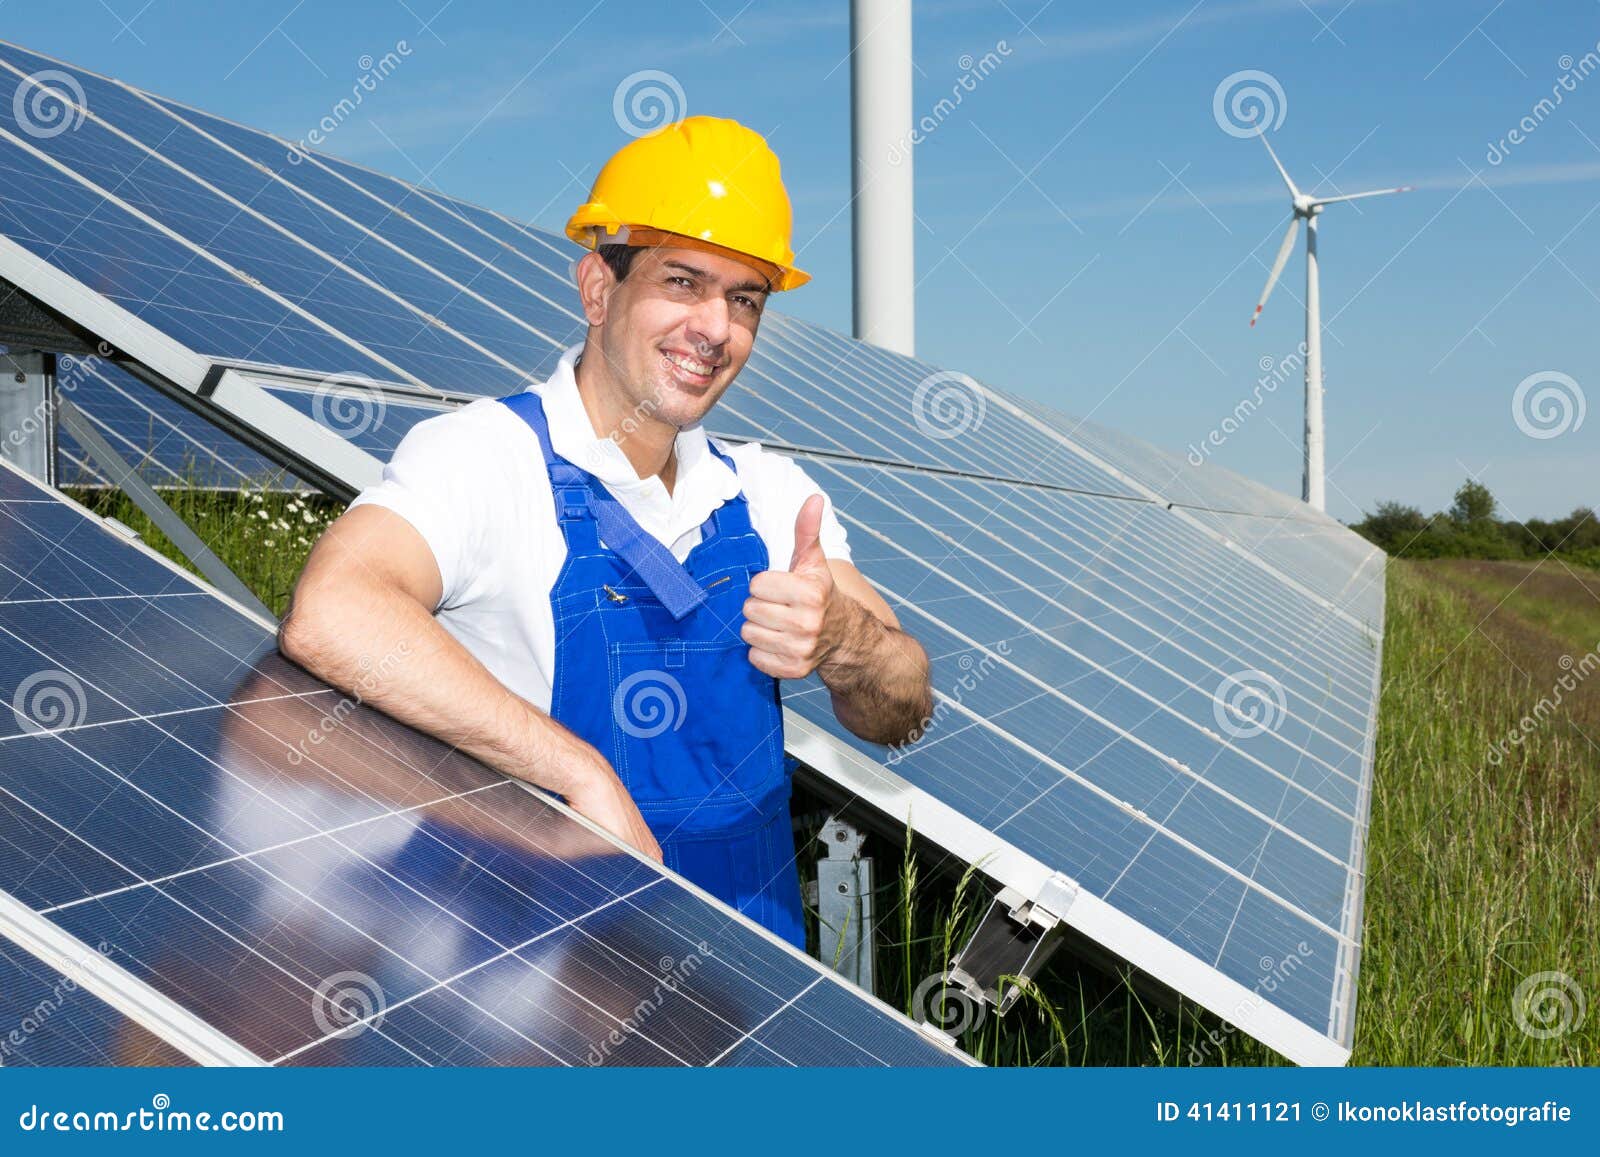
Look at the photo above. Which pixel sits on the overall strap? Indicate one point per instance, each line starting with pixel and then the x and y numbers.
pixel 732 518
pixel 578 493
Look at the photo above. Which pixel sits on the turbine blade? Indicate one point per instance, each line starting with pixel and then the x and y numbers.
pixel 1358 196
pixel 1283 172
pixel 1277 265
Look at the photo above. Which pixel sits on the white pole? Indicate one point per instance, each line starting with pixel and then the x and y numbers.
pixel 1311 489
pixel 880 122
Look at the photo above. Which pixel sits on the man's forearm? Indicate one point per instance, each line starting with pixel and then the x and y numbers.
pixel 428 680
pixel 878 677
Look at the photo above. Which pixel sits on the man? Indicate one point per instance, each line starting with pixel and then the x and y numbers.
pixel 587 591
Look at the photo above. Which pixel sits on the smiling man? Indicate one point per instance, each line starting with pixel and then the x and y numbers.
pixel 592 595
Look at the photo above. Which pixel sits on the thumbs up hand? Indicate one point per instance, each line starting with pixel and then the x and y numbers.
pixel 790 619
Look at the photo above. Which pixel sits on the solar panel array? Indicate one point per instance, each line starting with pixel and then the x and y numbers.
pixel 1154 678
pixel 318 883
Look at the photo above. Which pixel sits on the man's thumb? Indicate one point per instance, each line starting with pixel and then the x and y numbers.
pixel 807 536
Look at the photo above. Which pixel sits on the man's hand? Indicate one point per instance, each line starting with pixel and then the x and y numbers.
pixel 595 792
pixel 825 617
pixel 792 618
pixel 605 802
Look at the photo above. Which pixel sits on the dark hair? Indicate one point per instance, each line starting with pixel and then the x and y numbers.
pixel 619 258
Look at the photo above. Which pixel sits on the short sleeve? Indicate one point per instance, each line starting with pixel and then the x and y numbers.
pixel 777 487
pixel 835 543
pixel 435 482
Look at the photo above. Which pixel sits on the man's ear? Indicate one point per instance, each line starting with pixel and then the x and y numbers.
pixel 595 282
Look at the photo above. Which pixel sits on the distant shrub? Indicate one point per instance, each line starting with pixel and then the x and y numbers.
pixel 1469 529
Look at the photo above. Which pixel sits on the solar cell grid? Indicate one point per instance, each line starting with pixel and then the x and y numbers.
pixel 1178 667
pixel 263 853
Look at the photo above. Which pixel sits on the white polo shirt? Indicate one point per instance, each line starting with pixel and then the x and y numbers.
pixel 473 483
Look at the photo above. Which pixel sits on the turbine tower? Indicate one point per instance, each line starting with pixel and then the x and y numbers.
pixel 1309 208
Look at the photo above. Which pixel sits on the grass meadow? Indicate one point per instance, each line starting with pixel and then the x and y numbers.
pixel 1482 925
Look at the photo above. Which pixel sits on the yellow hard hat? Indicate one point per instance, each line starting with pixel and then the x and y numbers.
pixel 706 181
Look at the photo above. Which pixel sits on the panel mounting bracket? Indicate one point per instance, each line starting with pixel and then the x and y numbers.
pixel 845 919
pixel 1012 942
pixel 115 467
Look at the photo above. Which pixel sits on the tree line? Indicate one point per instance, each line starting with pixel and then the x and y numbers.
pixel 1469 529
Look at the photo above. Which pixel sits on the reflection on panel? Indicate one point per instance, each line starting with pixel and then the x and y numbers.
pixel 48 1018
pixel 323 885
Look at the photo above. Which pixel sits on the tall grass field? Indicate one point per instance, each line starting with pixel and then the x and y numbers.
pixel 1481 942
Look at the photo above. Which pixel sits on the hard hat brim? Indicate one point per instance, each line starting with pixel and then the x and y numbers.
pixel 594 224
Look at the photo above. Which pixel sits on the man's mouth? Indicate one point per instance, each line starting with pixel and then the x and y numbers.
pixel 691 368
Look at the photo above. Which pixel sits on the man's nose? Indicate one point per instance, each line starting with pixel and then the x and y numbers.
pixel 710 326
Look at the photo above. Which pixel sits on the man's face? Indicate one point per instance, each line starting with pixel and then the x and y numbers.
pixel 678 329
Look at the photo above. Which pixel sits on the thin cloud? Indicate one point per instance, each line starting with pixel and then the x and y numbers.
pixel 1093 41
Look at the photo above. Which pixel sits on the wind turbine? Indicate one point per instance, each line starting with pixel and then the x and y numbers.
pixel 1309 208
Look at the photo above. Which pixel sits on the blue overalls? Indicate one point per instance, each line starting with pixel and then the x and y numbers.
pixel 651 670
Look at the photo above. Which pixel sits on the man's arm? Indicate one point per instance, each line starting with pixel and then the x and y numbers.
pixel 823 616
pixel 368 592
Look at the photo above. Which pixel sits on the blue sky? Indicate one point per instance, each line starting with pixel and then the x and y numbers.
pixel 1088 233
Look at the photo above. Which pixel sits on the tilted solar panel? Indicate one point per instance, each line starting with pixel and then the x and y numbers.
pixel 319 884
pixel 169 444
pixel 1156 681
pixel 50 1019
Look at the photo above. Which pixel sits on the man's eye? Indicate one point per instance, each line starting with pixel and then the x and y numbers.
pixel 683 281
pixel 744 302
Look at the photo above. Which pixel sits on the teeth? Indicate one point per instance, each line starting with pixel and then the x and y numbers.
pixel 690 364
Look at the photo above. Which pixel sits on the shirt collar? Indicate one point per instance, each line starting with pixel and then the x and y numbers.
pixel 703 479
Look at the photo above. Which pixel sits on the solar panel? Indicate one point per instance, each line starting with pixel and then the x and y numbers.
pixel 1157 681
pixel 169 444
pixel 52 1020
pixel 319 884
pixel 371 419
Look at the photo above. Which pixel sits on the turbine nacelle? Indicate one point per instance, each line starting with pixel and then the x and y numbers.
pixel 1304 206
pixel 1308 207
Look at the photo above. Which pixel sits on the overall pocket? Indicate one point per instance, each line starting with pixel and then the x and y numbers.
pixel 699 730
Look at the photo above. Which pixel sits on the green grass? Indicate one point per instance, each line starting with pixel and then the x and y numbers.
pixel 1561 599
pixel 262 535
pixel 1480 872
